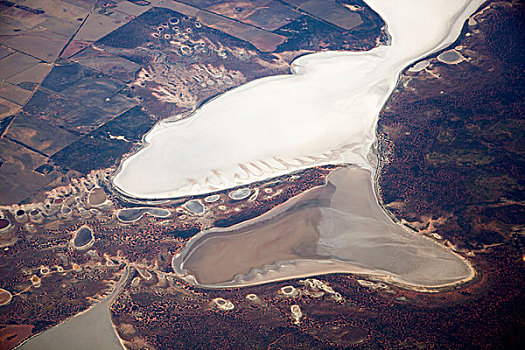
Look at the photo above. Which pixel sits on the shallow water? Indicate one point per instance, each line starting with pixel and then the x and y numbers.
pixel 195 207
pixel 338 227
pixel 83 237
pixel 130 215
pixel 212 198
pixel 90 330
pixel 450 57
pixel 133 214
pixel 240 194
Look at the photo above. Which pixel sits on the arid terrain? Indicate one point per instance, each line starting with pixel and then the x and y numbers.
pixel 84 80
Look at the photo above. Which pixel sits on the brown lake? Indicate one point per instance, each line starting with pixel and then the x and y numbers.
pixel 338 227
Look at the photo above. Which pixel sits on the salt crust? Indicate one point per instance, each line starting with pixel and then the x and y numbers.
pixel 324 113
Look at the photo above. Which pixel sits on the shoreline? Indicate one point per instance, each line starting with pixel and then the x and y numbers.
pixel 109 299
pixel 314 266
pixel 373 158
pixel 385 63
